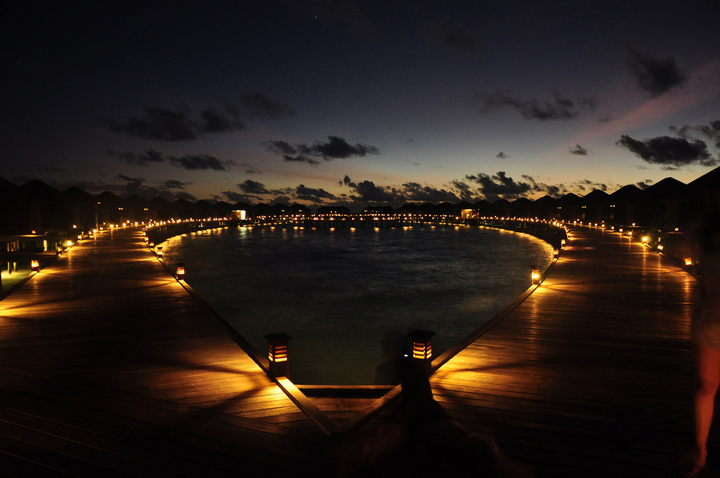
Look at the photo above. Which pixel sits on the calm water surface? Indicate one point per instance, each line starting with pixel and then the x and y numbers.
pixel 348 298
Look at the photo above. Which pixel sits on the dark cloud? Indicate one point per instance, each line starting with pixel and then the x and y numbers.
pixel 150 156
pixel 371 193
pixel 586 186
pixel 300 159
pixel 668 151
pixel 310 194
pixel 654 75
pixel 174 184
pixel 200 162
pixel 280 147
pixel 500 185
pixel 334 148
pixel 338 148
pixel 162 124
pixel 578 150
pixel 552 190
pixel 238 197
pixel 561 108
pixel 137 186
pixel 450 36
pixel 711 131
pixel 417 192
pixel 463 190
pixel 214 121
pixel 253 187
pixel 502 155
pixel 348 182
pixel 644 184
pixel 259 105
pixel 158 124
pixel 131 181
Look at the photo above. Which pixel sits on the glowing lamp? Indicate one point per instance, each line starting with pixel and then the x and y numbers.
pixel 160 252
pixel 35 265
pixel 421 341
pixel 279 366
pixel 556 253
pixel 645 239
pixel 660 247
pixel 151 244
pixel 535 275
pixel 688 261
pixel 562 243
pixel 181 271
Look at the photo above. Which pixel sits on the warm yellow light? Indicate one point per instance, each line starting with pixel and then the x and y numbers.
pixel 645 239
pixel 688 261
pixel 35 265
pixel 181 271
pixel 535 275
pixel 422 351
pixel 277 353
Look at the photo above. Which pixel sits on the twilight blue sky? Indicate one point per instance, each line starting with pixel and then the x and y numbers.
pixel 354 102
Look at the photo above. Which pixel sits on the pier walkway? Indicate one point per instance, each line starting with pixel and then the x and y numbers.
pixel 592 375
pixel 109 367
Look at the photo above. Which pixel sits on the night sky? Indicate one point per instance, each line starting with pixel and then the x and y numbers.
pixel 354 103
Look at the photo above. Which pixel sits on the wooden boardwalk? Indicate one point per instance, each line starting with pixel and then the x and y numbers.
pixel 110 367
pixel 592 374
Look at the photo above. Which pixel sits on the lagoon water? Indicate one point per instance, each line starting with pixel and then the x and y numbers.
pixel 349 297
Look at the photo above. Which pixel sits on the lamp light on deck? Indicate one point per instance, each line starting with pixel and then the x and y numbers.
pixel 180 273
pixel 279 365
pixel 535 275
pixel 562 243
pixel 688 261
pixel 160 252
pixel 645 239
pixel 35 265
pixel 556 253
pixel 151 244
pixel 660 247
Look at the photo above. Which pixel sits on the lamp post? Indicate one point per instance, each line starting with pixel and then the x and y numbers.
pixel 421 341
pixel 535 275
pixel 279 366
pixel 35 265
pixel 181 271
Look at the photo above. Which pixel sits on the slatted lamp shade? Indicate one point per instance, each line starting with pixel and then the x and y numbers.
pixel 279 365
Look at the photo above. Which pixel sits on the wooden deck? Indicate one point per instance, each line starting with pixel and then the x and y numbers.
pixel 592 374
pixel 111 367
pixel 106 345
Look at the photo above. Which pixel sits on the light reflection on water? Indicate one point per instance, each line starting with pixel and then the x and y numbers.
pixel 348 297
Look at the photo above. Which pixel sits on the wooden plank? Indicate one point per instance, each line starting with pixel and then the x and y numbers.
pixel 592 374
